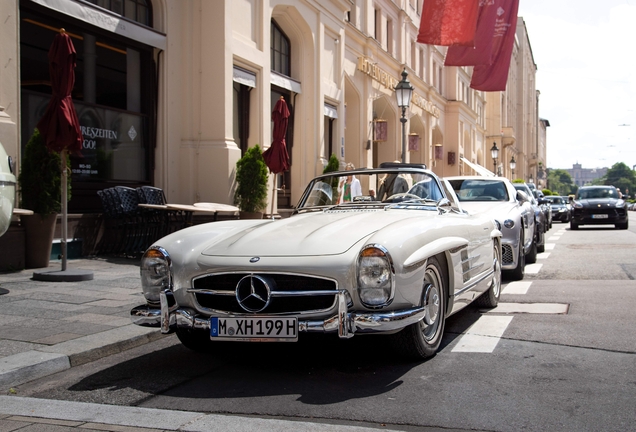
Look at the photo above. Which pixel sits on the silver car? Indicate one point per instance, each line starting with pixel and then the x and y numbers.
pixel 346 263
pixel 497 197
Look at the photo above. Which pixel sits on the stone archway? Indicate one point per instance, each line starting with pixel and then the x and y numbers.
pixel 389 150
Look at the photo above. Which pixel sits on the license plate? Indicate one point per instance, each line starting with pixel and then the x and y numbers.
pixel 263 329
pixel 599 216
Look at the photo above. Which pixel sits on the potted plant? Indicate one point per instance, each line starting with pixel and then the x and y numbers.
pixel 40 191
pixel 251 189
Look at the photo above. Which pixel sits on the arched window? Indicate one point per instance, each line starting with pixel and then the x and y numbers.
pixel 280 48
pixel 135 10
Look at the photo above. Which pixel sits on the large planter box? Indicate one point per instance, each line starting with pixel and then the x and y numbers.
pixel 12 248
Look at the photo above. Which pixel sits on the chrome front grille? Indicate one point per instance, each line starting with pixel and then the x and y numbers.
pixel 508 256
pixel 290 293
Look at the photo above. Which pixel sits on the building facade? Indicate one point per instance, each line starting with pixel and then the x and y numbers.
pixel 171 93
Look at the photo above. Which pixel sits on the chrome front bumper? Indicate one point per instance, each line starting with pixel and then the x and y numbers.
pixel 345 323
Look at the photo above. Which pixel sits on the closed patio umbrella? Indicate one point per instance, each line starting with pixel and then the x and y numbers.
pixel 61 132
pixel 276 156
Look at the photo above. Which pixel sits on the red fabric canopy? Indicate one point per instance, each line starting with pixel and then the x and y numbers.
pixel 59 126
pixel 276 156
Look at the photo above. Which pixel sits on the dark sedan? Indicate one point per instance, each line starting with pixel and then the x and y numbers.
pixel 599 205
pixel 560 208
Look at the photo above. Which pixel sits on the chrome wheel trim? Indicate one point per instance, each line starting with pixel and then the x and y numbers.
pixel 496 280
pixel 432 304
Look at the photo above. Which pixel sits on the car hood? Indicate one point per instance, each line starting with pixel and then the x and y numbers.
pixel 494 209
pixel 599 202
pixel 323 233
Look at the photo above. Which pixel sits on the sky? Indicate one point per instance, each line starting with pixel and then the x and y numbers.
pixel 585 52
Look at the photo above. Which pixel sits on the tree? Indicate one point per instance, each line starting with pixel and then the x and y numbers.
pixel 560 181
pixel 622 177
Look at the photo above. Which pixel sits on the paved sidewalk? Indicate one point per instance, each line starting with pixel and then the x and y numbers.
pixel 48 327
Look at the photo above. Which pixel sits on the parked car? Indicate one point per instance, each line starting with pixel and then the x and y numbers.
pixel 545 206
pixel 497 197
pixel 560 208
pixel 398 267
pixel 594 205
pixel 7 190
pixel 539 215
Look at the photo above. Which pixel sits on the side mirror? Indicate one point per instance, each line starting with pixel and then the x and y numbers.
pixel 543 201
pixel 522 197
pixel 444 205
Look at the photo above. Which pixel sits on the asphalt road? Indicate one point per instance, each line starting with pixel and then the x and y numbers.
pixel 569 371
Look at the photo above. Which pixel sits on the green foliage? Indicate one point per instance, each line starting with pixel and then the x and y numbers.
pixel 560 182
pixel 547 192
pixel 251 179
pixel 518 180
pixel 622 177
pixel 41 177
pixel 332 165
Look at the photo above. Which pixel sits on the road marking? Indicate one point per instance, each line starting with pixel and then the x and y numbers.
pixel 484 335
pixel 549 246
pixel 533 268
pixel 554 238
pixel 519 287
pixel 543 255
pixel 531 308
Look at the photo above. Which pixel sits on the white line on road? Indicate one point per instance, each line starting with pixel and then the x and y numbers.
pixel 554 238
pixel 543 255
pixel 549 246
pixel 519 287
pixel 531 308
pixel 533 268
pixel 484 335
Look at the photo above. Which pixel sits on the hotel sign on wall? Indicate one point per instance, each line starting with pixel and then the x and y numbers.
pixel 368 67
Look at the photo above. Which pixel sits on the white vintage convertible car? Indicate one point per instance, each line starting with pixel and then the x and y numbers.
pixel 7 190
pixel 498 198
pixel 343 263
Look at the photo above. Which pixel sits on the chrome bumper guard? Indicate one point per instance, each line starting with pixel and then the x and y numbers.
pixel 345 323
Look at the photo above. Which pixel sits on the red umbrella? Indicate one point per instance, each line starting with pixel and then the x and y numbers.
pixel 60 126
pixel 276 156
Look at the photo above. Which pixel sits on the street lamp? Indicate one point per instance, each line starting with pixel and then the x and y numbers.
pixel 513 165
pixel 403 93
pixel 494 152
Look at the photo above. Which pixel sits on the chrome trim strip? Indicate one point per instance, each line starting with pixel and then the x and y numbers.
pixel 475 282
pixel 7 183
pixel 273 293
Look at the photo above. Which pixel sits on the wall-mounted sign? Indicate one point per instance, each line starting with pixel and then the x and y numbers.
pixel 368 67
pixel 380 131
pixel 414 142
pixel 439 152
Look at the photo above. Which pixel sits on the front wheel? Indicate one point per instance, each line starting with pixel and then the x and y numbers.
pixel 490 298
pixel 574 226
pixel 422 339
pixel 519 272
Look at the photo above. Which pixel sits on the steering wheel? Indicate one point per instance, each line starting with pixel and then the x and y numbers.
pixel 401 197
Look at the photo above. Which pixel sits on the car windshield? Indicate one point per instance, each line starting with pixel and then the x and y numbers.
pixel 597 193
pixel 555 200
pixel 372 188
pixel 479 190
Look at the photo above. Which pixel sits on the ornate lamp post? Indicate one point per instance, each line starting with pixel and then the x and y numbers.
pixel 513 165
pixel 403 93
pixel 494 152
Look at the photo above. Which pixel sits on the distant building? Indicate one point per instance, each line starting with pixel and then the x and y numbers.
pixel 582 176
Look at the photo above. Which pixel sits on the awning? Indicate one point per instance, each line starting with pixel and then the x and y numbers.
pixel 331 111
pixel 285 82
pixel 108 21
pixel 244 77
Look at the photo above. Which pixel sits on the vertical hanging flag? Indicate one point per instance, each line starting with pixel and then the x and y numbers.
pixel 494 76
pixel 482 51
pixel 448 22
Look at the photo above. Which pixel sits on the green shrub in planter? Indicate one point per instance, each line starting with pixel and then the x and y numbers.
pixel 40 177
pixel 251 179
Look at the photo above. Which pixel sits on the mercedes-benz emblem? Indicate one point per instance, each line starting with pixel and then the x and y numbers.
pixel 253 293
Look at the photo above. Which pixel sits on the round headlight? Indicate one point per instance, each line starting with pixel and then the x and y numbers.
pixel 509 223
pixel 156 275
pixel 375 277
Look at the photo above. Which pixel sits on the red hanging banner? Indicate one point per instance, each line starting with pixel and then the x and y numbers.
pixel 448 22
